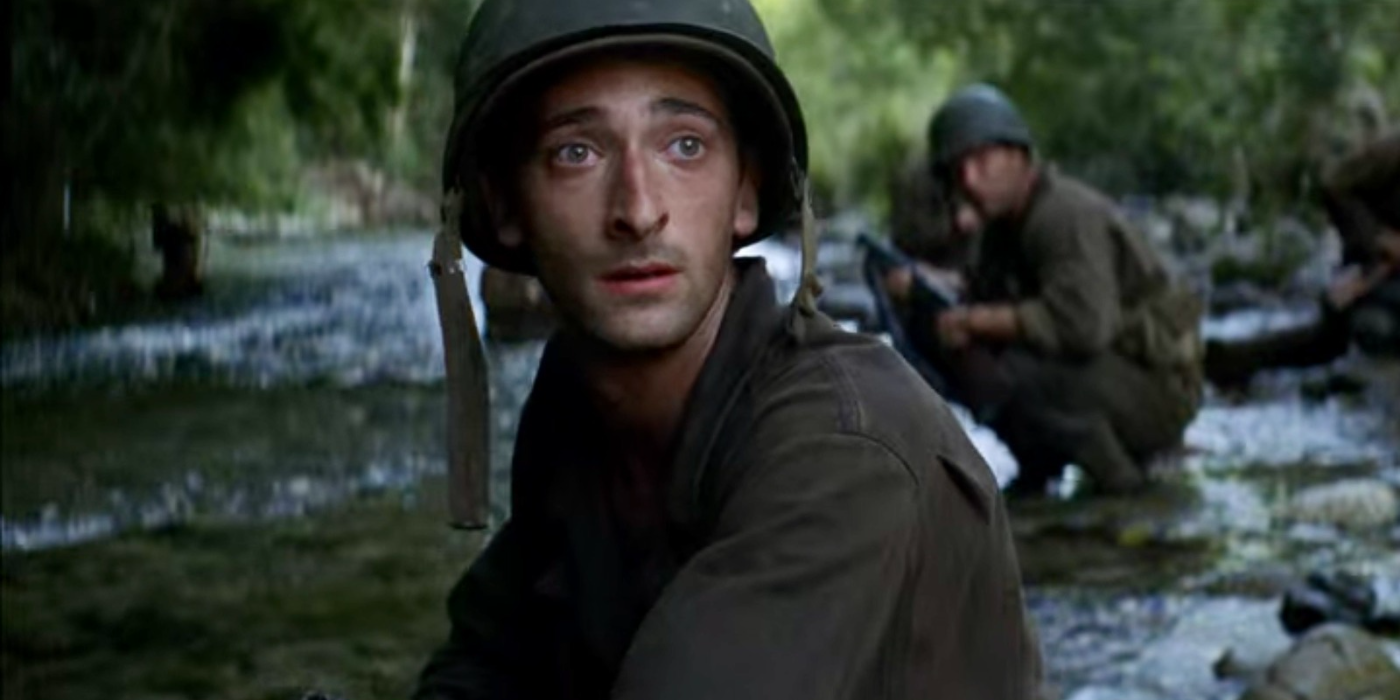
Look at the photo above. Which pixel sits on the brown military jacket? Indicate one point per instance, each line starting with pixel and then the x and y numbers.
pixel 1084 281
pixel 1364 196
pixel 826 531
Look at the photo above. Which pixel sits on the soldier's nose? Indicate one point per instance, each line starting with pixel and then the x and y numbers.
pixel 638 207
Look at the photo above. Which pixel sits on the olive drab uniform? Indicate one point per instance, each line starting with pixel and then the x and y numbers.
pixel 1107 369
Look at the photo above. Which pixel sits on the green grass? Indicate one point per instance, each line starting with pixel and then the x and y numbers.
pixel 349 602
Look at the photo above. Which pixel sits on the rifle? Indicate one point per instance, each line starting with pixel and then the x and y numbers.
pixel 926 294
pixel 928 298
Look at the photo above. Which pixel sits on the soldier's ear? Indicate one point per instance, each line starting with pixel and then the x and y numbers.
pixel 746 208
pixel 504 223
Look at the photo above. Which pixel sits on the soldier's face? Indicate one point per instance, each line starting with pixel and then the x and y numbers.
pixel 993 180
pixel 630 197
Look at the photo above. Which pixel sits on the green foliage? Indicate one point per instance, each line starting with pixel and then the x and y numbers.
pixel 1160 95
pixel 212 102
pixel 865 91
pixel 1226 97
pixel 202 100
pixel 416 153
pixel 167 92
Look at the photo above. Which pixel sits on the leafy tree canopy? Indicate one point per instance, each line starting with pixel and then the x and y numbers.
pixel 1214 96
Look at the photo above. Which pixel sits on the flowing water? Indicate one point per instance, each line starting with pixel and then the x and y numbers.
pixel 312 372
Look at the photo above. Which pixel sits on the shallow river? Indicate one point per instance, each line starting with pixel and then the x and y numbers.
pixel 311 372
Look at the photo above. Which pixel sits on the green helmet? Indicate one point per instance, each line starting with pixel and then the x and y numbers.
pixel 510 40
pixel 975 116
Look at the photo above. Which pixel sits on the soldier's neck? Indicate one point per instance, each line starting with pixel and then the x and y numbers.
pixel 1027 191
pixel 642 396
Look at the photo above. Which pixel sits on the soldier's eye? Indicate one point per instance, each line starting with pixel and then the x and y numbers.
pixel 688 147
pixel 573 154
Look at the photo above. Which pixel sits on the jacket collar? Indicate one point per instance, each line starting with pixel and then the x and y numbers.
pixel 560 429
pixel 751 323
pixel 560 455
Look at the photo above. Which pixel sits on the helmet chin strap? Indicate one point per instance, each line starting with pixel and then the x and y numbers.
pixel 468 378
pixel 809 288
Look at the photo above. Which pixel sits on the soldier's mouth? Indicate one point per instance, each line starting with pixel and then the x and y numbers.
pixel 642 278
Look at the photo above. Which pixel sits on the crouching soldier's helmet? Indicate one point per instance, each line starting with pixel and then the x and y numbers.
pixel 510 41
pixel 975 116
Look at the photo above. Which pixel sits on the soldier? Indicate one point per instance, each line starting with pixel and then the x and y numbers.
pixel 178 235
pixel 713 496
pixel 1075 347
pixel 929 221
pixel 1362 196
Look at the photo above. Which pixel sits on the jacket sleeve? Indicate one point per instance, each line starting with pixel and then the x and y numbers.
pixel 494 616
pixel 796 591
pixel 1077 310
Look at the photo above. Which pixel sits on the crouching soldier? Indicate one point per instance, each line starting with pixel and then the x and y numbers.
pixel 713 495
pixel 1075 346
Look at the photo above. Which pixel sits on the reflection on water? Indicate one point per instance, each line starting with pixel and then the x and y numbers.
pixel 350 311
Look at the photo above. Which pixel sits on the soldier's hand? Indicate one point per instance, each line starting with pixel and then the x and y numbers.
pixel 898 282
pixel 1351 285
pixel 954 330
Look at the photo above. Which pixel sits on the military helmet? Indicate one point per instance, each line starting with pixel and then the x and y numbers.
pixel 975 116
pixel 511 41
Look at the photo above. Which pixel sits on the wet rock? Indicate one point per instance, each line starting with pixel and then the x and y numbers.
pixel 1257 579
pixel 1333 384
pixel 1315 534
pixel 1332 662
pixel 1226 297
pixel 1335 597
pixel 1194 220
pixel 1353 504
pixel 1271 256
pixel 1106 693
pixel 1180 663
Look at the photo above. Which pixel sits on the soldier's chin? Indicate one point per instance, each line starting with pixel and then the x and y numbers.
pixel 641 333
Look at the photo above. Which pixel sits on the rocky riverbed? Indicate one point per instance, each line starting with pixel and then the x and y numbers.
pixel 241 498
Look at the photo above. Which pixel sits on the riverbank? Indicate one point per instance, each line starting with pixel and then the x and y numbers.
pixel 348 601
